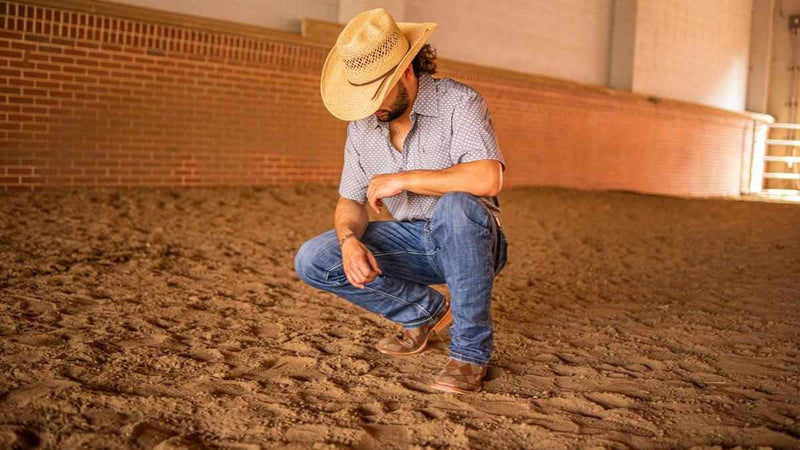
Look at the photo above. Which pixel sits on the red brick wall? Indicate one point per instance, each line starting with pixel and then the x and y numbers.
pixel 97 99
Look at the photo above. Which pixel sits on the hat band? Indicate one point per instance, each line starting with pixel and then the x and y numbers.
pixel 384 76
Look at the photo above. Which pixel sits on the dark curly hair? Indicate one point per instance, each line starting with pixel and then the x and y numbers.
pixel 425 61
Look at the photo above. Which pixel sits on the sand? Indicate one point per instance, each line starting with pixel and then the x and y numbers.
pixel 172 318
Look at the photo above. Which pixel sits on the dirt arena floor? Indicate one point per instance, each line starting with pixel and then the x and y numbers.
pixel 172 318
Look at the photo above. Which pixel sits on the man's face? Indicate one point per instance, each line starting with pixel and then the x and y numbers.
pixel 395 103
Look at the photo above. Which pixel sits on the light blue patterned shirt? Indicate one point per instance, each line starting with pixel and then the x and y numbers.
pixel 450 124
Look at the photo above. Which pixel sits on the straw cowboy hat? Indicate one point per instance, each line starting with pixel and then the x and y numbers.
pixel 368 59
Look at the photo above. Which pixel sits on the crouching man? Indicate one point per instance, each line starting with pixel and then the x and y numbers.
pixel 424 148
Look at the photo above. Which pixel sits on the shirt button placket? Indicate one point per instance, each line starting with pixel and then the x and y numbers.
pixel 411 131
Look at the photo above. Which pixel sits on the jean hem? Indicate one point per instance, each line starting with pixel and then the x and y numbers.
pixel 429 320
pixel 469 359
pixel 397 299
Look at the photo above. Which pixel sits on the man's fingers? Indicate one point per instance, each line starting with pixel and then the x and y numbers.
pixel 371 277
pixel 351 279
pixel 374 263
pixel 373 200
pixel 358 273
pixel 374 203
pixel 361 268
pixel 354 272
pixel 365 269
pixel 347 275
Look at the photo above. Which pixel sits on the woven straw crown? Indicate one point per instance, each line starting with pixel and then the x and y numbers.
pixel 370 45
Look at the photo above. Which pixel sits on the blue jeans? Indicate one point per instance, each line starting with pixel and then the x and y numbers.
pixel 461 245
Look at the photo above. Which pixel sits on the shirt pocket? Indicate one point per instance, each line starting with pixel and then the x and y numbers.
pixel 380 161
pixel 433 151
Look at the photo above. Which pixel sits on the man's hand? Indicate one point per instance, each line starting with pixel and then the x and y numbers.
pixel 360 265
pixel 384 185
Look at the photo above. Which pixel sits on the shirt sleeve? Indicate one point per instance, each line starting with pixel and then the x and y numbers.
pixel 473 132
pixel 354 181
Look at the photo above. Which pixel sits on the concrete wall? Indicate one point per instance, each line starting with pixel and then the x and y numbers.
pixel 693 50
pixel 688 50
pixel 350 8
pixel 780 74
pixel 760 57
pixel 284 15
pixel 623 44
pixel 566 39
pixel 86 101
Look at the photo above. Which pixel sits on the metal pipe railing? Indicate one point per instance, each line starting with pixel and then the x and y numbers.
pixel 760 157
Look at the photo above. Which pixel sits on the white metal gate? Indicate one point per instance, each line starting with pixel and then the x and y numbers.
pixel 763 152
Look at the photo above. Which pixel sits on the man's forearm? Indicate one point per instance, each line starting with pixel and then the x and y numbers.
pixel 477 177
pixel 350 219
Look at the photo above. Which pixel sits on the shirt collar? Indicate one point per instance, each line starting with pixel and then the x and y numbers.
pixel 426 102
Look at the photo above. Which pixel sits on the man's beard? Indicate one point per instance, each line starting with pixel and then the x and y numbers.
pixel 399 105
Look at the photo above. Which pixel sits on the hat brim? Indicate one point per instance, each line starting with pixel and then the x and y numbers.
pixel 348 102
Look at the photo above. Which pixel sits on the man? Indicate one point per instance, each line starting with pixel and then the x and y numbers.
pixel 425 148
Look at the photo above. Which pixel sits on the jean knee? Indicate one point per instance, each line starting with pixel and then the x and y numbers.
pixel 457 198
pixel 303 261
pixel 458 206
pixel 309 259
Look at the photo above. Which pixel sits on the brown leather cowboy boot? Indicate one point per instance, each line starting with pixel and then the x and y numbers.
pixel 412 341
pixel 460 377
